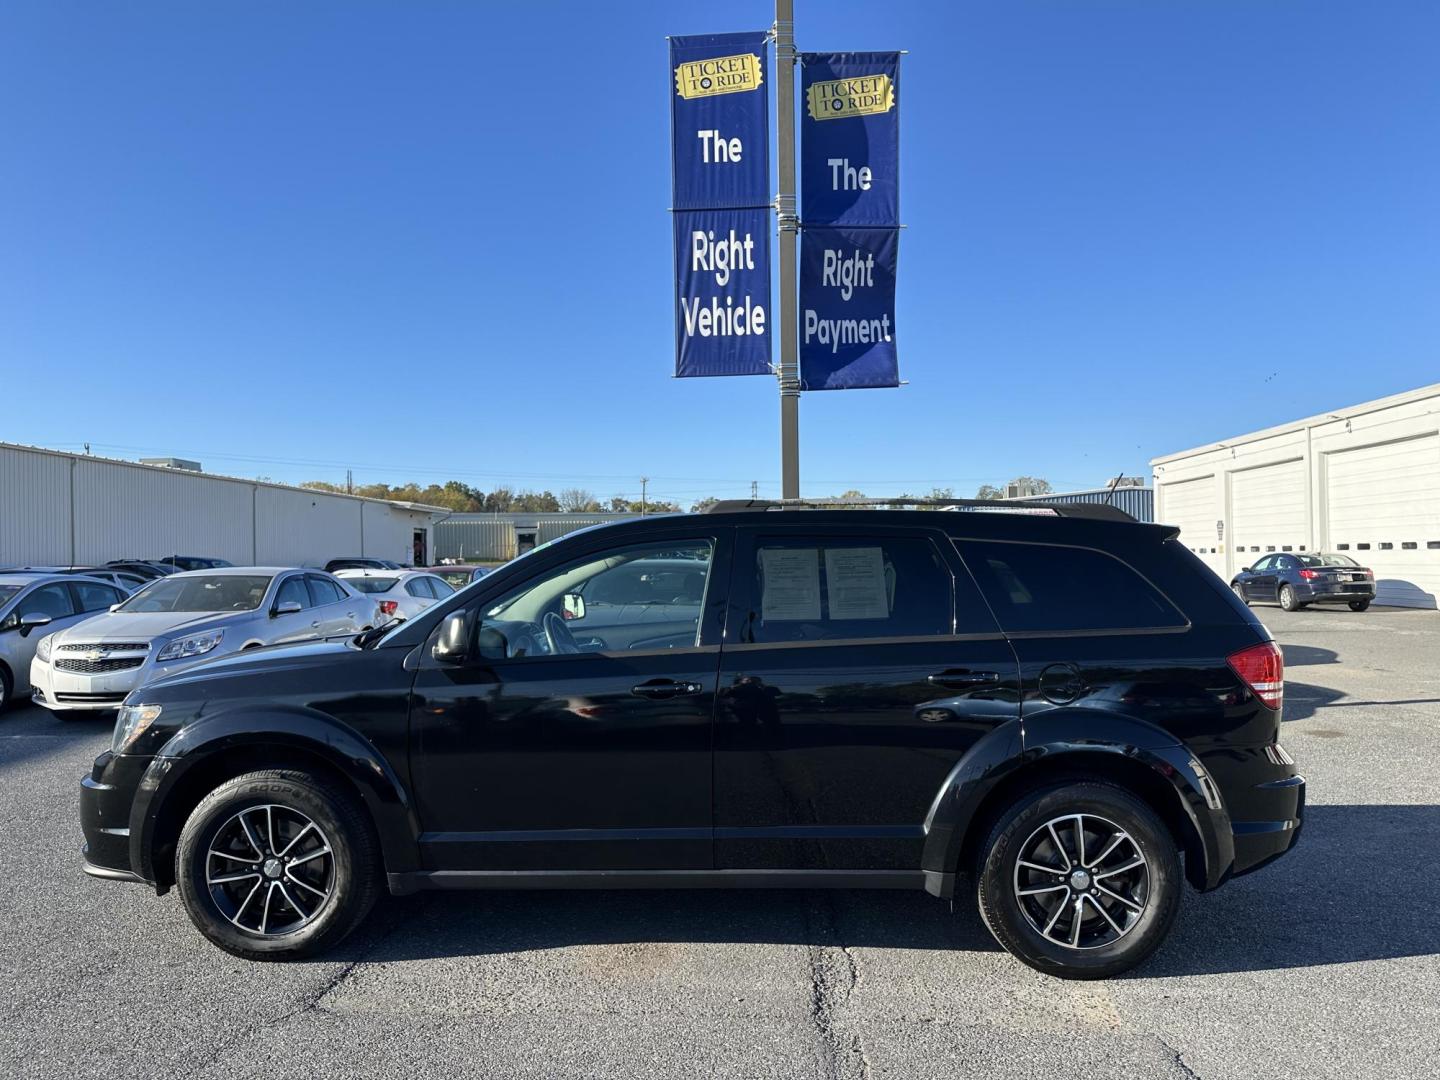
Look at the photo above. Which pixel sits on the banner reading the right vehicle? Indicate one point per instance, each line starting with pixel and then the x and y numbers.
pixel 850 214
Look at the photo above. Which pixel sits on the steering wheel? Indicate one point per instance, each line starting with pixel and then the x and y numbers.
pixel 558 635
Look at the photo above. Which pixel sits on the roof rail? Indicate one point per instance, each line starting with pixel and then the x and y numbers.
pixel 1092 511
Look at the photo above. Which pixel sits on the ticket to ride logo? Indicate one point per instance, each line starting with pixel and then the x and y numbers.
pixel 718 75
pixel 839 98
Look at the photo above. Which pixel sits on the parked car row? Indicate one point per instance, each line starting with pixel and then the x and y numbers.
pixel 81 638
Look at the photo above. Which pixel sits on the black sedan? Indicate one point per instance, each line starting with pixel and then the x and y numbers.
pixel 1295 580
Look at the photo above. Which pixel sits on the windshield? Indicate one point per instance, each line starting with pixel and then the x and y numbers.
pixel 1327 560
pixel 203 592
pixel 456 579
pixel 371 584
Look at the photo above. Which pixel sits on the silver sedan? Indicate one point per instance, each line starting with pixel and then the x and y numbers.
pixel 34 604
pixel 401 594
pixel 185 619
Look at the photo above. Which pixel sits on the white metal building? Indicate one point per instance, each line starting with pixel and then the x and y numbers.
pixel 1363 480
pixel 74 509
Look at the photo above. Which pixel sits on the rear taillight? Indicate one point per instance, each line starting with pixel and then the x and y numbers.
pixel 1262 669
pixel 1308 574
pixel 387 607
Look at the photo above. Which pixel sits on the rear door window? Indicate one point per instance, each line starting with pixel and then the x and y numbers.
pixel 1050 587
pixel 420 588
pixel 837 588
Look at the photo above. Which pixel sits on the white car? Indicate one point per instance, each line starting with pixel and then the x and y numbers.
pixel 185 619
pixel 401 594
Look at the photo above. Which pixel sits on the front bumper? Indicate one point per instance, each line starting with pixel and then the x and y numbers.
pixel 67 690
pixel 106 795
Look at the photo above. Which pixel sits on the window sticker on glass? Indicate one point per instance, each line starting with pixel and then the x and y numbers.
pixel 791 584
pixel 855 581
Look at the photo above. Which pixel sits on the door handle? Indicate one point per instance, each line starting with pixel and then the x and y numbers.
pixel 666 688
pixel 959 680
pixel 315 623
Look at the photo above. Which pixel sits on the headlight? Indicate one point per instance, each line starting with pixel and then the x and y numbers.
pixel 131 724
pixel 194 645
pixel 42 650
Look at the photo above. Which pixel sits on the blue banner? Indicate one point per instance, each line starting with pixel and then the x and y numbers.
pixel 719 121
pixel 847 308
pixel 722 285
pixel 850 139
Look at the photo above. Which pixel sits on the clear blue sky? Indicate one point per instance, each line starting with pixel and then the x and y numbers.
pixel 430 240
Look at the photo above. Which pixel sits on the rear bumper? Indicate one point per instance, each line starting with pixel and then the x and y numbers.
pixel 1311 594
pixel 1262 841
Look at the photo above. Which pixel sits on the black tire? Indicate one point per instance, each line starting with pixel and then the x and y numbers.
pixel 1287 599
pixel 1359 605
pixel 7 687
pixel 351 880
pixel 998 883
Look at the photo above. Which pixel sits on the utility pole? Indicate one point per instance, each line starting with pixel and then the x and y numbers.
pixel 754 490
pixel 643 481
pixel 788 225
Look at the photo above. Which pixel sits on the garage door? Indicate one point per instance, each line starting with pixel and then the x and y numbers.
pixel 1383 509
pixel 1267 511
pixel 1191 505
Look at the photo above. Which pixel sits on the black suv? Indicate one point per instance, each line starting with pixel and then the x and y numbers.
pixel 1062 711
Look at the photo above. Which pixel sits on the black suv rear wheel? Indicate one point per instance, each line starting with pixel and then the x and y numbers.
pixel 1080 880
pixel 277 864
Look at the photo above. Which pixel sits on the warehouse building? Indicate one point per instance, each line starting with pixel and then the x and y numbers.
pixel 1363 481
pixel 502 536
pixel 1130 495
pixel 78 510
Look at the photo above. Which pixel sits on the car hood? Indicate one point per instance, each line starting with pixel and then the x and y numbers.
pixel 269 660
pixel 148 625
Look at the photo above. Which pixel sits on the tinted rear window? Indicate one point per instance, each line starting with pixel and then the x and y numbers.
pixel 1327 560
pixel 1047 587
pixel 372 584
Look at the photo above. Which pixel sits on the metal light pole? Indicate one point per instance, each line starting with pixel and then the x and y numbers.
pixel 788 224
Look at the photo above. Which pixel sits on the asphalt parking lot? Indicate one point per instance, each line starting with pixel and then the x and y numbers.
pixel 1325 964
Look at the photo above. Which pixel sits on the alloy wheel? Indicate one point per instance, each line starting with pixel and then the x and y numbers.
pixel 270 870
pixel 1082 881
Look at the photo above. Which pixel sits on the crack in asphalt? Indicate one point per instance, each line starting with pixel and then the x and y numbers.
pixel 833 977
pixel 1179 1061
pixel 312 1002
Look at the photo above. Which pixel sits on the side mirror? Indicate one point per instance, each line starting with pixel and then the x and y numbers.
pixel 573 606
pixel 1244 570
pixel 286 607
pixel 31 621
pixel 452 646
pixel 115 607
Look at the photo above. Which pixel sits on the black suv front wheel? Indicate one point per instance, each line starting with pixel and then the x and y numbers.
pixel 1080 880
pixel 277 864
